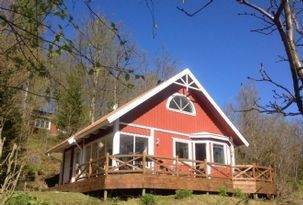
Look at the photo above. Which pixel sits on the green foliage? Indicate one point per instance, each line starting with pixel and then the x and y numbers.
pixel 223 191
pixel 71 115
pixel 238 193
pixel 22 198
pixel 183 193
pixel 148 199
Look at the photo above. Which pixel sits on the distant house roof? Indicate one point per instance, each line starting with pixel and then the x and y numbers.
pixel 181 78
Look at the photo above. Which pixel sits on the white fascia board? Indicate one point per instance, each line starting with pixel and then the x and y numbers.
pixel 209 98
pixel 146 96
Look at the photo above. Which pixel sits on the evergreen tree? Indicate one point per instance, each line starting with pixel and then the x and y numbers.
pixel 71 109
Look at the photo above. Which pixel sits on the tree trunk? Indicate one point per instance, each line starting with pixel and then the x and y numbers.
pixel 294 61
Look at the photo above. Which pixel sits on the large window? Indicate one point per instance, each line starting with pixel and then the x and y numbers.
pixel 181 150
pixel 133 144
pixel 218 151
pixel 181 103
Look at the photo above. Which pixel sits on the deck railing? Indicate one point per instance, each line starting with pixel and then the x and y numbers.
pixel 148 164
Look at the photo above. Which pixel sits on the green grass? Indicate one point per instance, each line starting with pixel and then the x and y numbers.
pixel 68 198
pixel 65 198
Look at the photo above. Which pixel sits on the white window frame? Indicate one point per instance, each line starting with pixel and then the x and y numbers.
pixel 180 111
pixel 224 152
pixel 91 149
pixel 188 142
pixel 150 141
pixel 206 146
pixel 43 121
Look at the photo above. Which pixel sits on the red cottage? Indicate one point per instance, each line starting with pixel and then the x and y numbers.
pixel 173 136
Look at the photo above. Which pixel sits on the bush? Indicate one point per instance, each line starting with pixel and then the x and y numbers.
pixel 182 193
pixel 22 198
pixel 148 199
pixel 238 193
pixel 223 191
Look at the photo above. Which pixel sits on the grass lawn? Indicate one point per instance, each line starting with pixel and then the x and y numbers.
pixel 67 198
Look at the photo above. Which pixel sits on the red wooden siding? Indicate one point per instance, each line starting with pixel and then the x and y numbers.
pixel 134 130
pixel 53 129
pixel 153 113
pixel 165 146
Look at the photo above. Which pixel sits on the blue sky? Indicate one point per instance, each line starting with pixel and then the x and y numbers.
pixel 216 45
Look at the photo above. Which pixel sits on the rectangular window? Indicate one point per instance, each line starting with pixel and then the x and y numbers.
pixel 218 151
pixel 126 144
pixel 37 123
pixel 42 123
pixel 133 144
pixel 181 150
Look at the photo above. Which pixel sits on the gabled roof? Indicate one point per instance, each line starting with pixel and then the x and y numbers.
pixel 184 78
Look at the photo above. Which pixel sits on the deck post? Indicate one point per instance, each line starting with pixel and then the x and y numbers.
pixel 105 195
pixel 143 192
pixel 270 174
pixel 143 163
pixel 205 168
pixel 90 170
pixel 177 162
pixel 106 164
pixel 254 171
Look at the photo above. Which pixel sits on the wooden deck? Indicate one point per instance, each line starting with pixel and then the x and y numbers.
pixel 141 171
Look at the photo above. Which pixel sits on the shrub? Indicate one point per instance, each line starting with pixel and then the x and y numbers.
pixel 22 198
pixel 182 193
pixel 115 200
pixel 238 193
pixel 148 199
pixel 223 191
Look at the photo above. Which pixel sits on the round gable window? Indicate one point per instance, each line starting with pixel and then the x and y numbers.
pixel 181 103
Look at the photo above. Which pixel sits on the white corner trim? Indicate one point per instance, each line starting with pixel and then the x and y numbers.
pixel 116 138
pixel 180 111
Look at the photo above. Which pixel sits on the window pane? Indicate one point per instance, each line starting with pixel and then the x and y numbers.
pixel 94 151
pixel 37 123
pixel 46 124
pixel 126 144
pixel 173 104
pixel 87 153
pixel 182 150
pixel 141 144
pixel 200 151
pixel 181 103
pixel 218 153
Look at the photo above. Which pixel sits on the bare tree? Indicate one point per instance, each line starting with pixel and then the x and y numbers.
pixel 273 141
pixel 284 17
